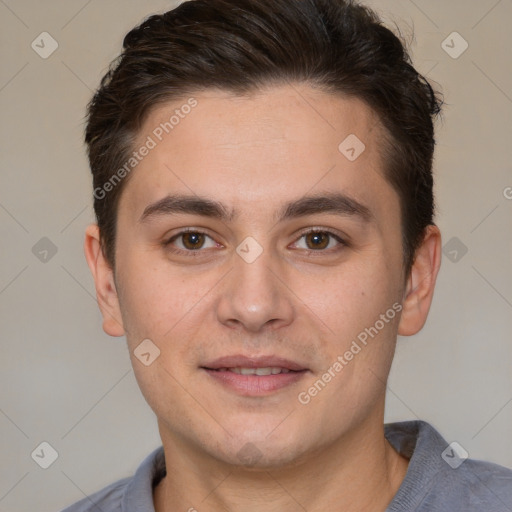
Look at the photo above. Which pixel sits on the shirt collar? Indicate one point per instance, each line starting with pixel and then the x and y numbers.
pixel 138 496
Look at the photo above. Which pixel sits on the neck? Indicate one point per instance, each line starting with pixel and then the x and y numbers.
pixel 361 471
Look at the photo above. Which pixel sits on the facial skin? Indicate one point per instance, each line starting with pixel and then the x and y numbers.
pixel 241 450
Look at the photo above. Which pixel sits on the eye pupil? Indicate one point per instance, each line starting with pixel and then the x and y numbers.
pixel 320 240
pixel 193 240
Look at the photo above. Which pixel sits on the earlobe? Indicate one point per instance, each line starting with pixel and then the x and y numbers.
pixel 421 283
pixel 106 293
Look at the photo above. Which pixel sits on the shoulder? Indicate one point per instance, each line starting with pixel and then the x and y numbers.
pixel 474 486
pixel 128 494
pixel 106 500
pixel 481 483
pixel 441 476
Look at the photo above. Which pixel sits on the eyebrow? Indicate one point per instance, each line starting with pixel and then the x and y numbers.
pixel 334 203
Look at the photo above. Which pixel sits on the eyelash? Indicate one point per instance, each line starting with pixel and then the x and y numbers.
pixel 196 253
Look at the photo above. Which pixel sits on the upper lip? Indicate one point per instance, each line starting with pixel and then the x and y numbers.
pixel 240 361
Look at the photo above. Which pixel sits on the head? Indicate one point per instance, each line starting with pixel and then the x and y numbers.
pixel 249 123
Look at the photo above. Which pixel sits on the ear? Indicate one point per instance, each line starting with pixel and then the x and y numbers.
pixel 106 293
pixel 420 283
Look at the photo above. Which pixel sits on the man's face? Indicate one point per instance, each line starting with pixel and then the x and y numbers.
pixel 252 289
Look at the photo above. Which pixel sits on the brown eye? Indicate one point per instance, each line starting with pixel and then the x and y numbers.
pixel 190 242
pixel 193 240
pixel 317 240
pixel 320 241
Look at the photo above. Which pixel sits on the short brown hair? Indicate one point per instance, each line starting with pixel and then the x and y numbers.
pixel 242 45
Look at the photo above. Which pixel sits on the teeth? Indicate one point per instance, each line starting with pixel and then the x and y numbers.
pixel 269 370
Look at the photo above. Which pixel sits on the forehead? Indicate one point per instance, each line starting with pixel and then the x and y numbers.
pixel 266 146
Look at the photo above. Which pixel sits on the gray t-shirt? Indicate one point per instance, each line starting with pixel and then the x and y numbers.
pixel 438 479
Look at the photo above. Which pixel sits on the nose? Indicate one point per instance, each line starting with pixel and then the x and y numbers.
pixel 254 296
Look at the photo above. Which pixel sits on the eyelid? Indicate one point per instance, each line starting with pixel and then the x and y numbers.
pixel 168 241
pixel 341 239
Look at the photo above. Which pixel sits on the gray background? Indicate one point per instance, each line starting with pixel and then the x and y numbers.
pixel 67 383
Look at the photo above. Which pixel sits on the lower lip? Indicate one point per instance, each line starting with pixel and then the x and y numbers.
pixel 255 385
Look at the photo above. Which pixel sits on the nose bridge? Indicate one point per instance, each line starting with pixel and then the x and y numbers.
pixel 254 295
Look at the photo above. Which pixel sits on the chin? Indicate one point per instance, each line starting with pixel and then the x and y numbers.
pixel 259 457
pixel 257 450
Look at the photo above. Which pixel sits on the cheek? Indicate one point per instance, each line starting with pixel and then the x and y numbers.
pixel 151 301
pixel 359 348
pixel 166 305
pixel 350 297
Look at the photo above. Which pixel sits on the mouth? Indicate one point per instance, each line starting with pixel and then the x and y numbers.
pixel 257 376
pixel 268 370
